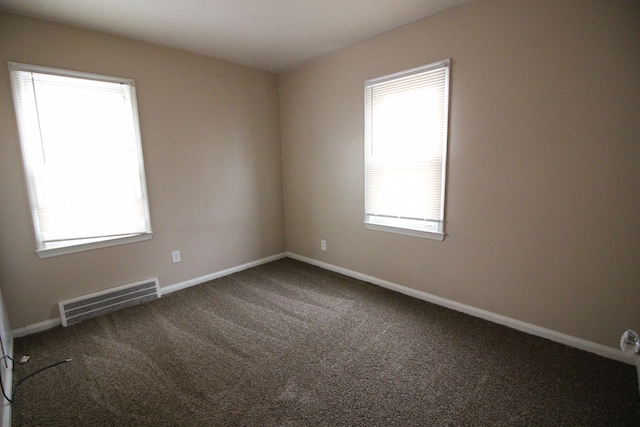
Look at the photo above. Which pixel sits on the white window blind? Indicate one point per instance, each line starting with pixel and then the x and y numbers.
pixel 83 158
pixel 406 117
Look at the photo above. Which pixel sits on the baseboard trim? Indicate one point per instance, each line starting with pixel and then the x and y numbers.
pixel 608 352
pixel 164 290
pixel 36 327
pixel 52 323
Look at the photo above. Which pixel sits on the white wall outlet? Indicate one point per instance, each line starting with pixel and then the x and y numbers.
pixel 323 245
pixel 175 256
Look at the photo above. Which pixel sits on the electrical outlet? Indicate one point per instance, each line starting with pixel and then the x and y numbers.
pixel 323 245
pixel 175 256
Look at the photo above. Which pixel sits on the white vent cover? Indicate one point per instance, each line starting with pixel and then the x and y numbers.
pixel 88 306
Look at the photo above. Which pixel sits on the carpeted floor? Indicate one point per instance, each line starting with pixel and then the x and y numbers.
pixel 289 344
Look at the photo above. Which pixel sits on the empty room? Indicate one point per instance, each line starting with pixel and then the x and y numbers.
pixel 315 213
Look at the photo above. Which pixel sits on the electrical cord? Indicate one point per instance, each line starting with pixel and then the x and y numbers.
pixel 2 382
pixel 15 390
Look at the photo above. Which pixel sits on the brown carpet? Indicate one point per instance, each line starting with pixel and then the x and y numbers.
pixel 290 344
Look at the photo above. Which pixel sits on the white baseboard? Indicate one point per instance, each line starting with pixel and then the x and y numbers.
pixel 609 352
pixel 36 327
pixel 52 323
pixel 186 284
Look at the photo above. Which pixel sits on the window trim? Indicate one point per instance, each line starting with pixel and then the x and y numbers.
pixel 65 250
pixel 372 222
pixel 433 235
pixel 41 250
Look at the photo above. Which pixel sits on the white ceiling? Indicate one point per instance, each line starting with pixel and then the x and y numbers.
pixel 271 35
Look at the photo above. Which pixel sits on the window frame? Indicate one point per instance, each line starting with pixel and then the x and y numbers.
pixel 43 249
pixel 420 227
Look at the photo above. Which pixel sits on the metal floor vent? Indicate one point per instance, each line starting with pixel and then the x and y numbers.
pixel 88 306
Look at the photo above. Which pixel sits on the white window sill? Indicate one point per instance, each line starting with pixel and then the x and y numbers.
pixel 406 231
pixel 52 252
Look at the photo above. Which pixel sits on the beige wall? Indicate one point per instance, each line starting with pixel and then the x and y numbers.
pixel 542 213
pixel 211 142
pixel 543 189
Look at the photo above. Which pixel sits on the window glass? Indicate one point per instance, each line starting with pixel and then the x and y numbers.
pixel 406 117
pixel 83 158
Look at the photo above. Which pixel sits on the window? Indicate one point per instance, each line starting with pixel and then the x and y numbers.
pixel 406 116
pixel 83 158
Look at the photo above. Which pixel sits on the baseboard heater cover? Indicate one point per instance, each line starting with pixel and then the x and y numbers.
pixel 93 305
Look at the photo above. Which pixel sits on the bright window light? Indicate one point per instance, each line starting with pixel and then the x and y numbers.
pixel 83 158
pixel 406 118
